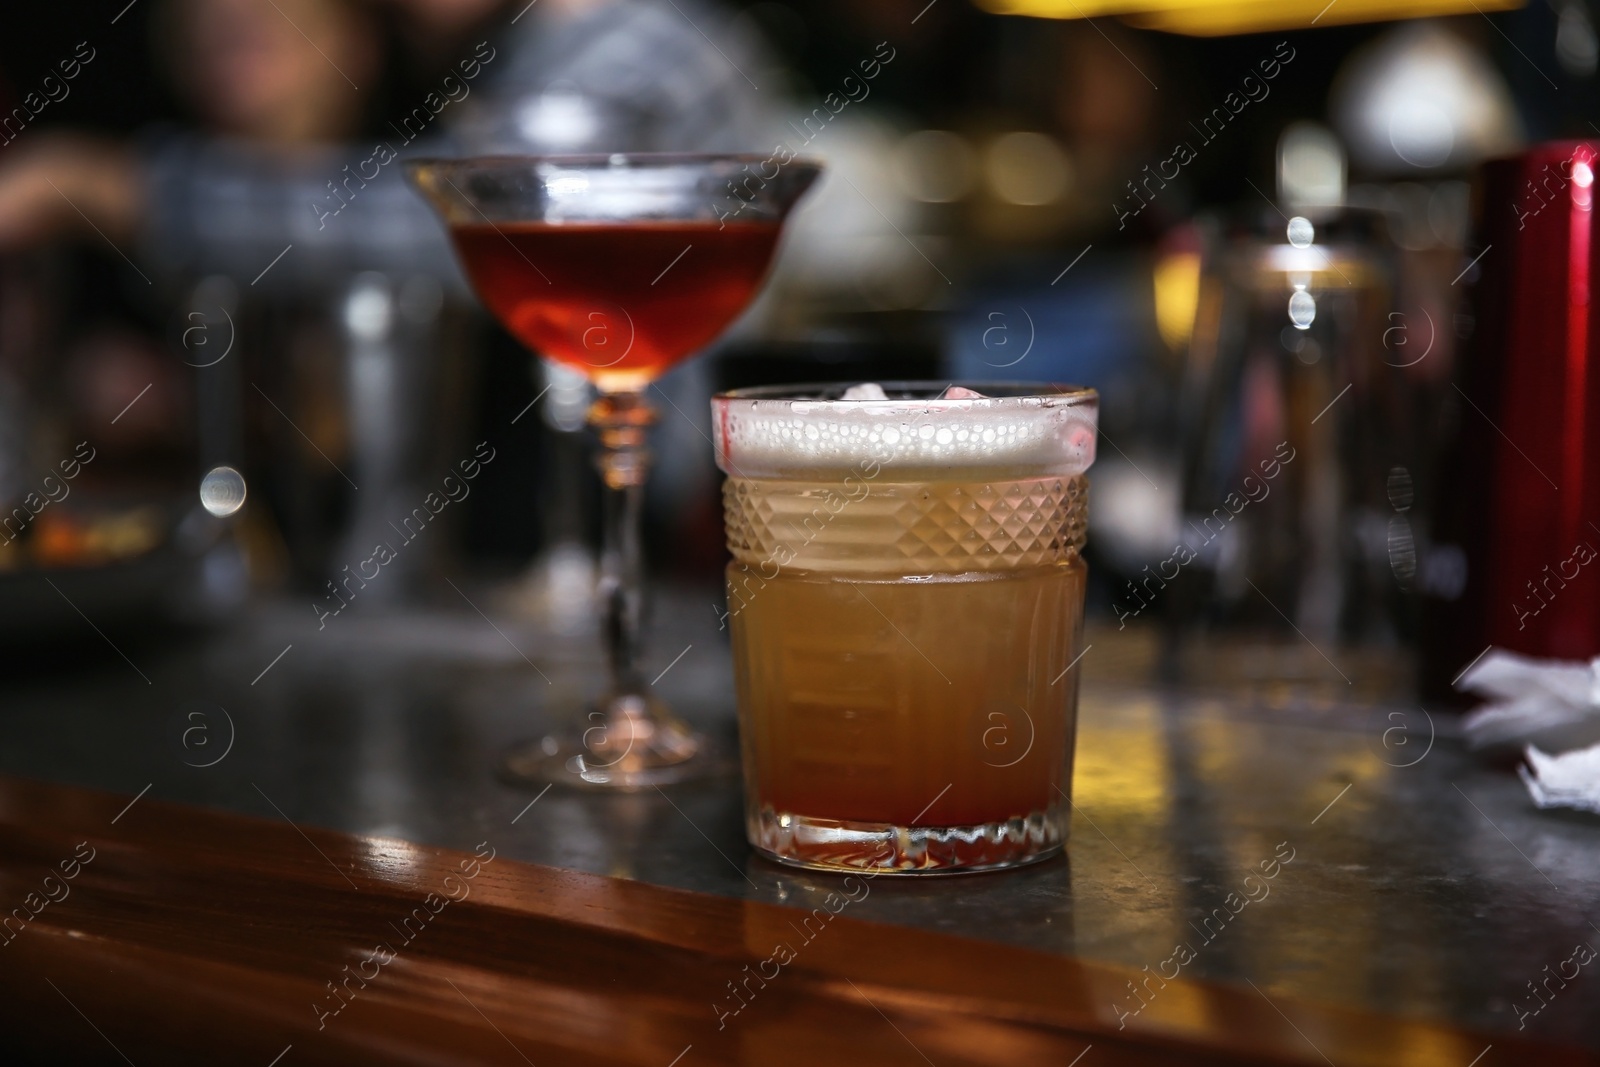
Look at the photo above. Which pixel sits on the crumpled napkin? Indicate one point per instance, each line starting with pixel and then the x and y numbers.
pixel 1527 695
pixel 1570 780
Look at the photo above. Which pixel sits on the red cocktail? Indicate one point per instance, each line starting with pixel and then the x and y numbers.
pixel 618 266
pixel 621 303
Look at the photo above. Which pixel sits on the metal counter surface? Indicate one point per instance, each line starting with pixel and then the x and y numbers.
pixel 1421 881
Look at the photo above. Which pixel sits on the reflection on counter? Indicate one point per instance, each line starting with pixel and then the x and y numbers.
pixel 1393 886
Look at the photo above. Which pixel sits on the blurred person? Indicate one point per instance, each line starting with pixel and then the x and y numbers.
pixel 250 78
pixel 245 67
pixel 281 88
pixel 290 182
pixel 1108 113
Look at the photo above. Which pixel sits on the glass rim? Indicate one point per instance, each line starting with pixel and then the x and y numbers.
pixel 620 160
pixel 900 393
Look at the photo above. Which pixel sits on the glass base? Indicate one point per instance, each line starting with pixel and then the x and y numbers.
pixel 633 742
pixel 835 845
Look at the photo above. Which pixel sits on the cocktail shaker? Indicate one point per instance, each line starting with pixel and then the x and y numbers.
pixel 1298 421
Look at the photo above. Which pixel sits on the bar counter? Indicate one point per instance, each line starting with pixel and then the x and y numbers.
pixel 297 848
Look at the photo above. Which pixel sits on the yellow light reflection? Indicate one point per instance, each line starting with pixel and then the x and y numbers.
pixel 1210 18
pixel 1177 282
pixel 1121 764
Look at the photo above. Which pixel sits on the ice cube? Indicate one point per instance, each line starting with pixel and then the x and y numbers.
pixel 960 392
pixel 865 391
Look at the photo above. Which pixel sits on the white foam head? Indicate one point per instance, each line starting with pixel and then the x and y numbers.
pixel 912 429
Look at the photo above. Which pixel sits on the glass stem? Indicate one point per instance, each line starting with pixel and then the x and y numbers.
pixel 623 420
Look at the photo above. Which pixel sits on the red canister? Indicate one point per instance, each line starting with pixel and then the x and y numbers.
pixel 1521 500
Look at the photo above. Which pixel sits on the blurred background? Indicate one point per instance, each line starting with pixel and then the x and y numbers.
pixel 1251 226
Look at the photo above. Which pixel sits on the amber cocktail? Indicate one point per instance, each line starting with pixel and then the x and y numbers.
pixel 906 604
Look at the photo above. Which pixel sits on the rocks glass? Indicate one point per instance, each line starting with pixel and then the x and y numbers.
pixel 906 605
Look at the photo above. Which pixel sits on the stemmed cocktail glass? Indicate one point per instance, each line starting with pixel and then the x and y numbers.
pixel 619 266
